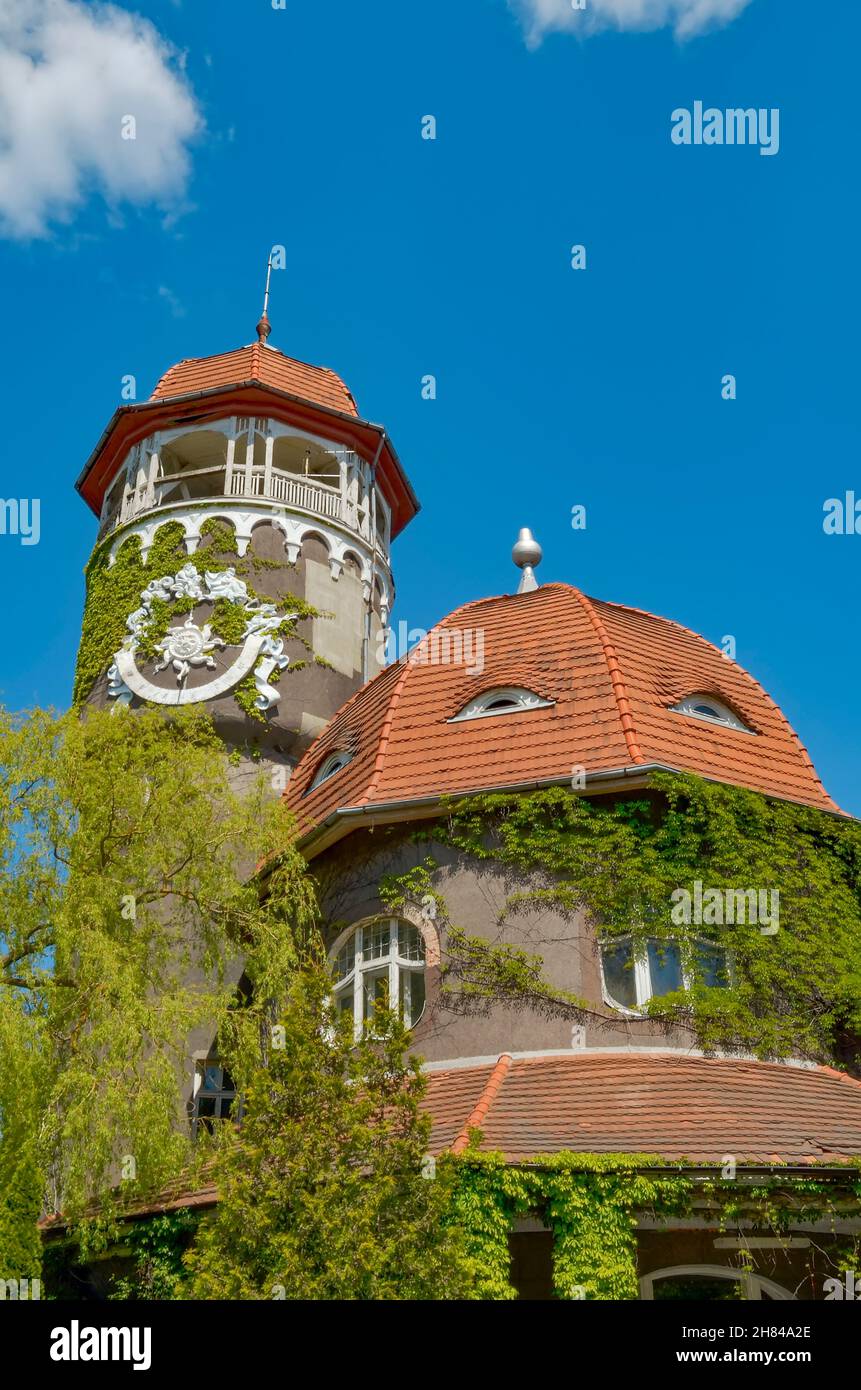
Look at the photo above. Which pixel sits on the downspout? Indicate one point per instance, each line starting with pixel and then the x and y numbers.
pixel 372 511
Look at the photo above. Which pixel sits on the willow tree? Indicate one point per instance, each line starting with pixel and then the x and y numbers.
pixel 127 897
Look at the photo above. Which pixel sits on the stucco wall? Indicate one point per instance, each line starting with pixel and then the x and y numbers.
pixel 475 894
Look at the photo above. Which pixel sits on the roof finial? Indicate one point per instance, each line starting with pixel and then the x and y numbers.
pixel 264 327
pixel 526 554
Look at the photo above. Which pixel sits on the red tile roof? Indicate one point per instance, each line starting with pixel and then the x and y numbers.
pixel 672 1106
pixel 262 364
pixel 613 674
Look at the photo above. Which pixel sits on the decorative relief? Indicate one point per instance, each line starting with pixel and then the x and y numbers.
pixel 190 645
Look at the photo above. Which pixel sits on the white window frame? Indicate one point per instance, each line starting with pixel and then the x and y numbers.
pixel 202 1063
pixel 393 962
pixel 330 767
pixel 754 1285
pixel 524 700
pixel 723 716
pixel 642 973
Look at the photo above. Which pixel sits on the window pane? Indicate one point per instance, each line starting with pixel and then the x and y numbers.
pixel 345 959
pixel 619 979
pixel 376 990
pixel 711 961
pixel 376 941
pixel 412 995
pixel 211 1079
pixel 411 946
pixel 206 1106
pixel 665 967
pixel 344 1002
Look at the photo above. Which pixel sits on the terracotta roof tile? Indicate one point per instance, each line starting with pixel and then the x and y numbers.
pixel 260 363
pixel 676 1107
pixel 613 674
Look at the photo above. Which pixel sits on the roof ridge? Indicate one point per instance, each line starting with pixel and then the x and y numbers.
pixel 482 1106
pixel 691 632
pixel 617 680
pixel 385 732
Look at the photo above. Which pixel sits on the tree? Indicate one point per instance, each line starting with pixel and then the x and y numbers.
pixel 326 1190
pixel 127 899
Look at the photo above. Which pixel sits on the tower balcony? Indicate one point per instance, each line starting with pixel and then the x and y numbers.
pixel 300 474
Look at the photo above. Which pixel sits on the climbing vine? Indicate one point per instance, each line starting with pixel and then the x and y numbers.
pixel 157 1248
pixel 795 991
pixel 593 1204
pixel 114 592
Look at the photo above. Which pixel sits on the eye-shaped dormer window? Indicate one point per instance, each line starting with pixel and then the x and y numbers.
pixel 329 767
pixel 506 699
pixel 714 711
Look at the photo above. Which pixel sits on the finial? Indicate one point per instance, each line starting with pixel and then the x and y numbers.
pixel 264 327
pixel 526 554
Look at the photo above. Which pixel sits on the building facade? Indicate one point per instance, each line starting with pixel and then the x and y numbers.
pixel 259 477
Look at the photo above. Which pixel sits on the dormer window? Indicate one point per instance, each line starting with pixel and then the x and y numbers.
pixel 714 711
pixel 501 700
pixel 329 766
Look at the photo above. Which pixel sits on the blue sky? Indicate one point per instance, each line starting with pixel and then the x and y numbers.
pixel 406 257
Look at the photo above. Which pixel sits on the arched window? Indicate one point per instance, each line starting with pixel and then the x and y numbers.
pixel 329 767
pixel 710 1283
pixel 505 699
pixel 381 961
pixel 633 973
pixel 715 711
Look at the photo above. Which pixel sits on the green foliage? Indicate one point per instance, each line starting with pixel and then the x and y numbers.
pixel 592 1207
pixel 22 1073
pixel 489 1196
pixel 158 1247
pixel 322 1191
pixel 592 1204
pixel 795 993
pixel 113 592
pixel 126 889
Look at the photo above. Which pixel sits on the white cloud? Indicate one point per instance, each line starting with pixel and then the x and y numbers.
pixel 70 73
pixel 173 302
pixel 685 17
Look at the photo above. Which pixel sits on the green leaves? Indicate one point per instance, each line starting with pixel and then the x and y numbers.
pixel 127 898
pixel 797 992
pixel 323 1193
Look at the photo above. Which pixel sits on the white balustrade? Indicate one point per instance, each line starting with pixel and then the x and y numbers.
pixel 304 493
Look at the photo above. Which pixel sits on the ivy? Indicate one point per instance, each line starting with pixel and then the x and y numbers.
pixel 795 993
pixel 158 1246
pixel 593 1203
pixel 114 591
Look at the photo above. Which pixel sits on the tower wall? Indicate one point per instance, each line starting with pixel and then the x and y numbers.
pixel 279 557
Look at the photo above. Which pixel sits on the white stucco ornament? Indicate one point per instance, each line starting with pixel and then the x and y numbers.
pixel 188 646
pixel 191 645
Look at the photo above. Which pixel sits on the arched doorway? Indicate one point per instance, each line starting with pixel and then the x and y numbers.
pixel 710 1283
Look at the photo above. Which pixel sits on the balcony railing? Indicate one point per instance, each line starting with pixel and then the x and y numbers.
pixel 303 493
